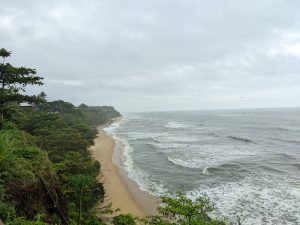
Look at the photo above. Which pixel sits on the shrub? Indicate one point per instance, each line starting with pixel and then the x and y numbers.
pixel 123 219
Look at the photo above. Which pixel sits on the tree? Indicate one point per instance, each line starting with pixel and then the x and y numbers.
pixel 13 81
pixel 184 211
pixel 84 192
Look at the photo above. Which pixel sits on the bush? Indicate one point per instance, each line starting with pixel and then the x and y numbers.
pixel 25 173
pixel 23 221
pixel 180 210
pixel 123 219
pixel 7 211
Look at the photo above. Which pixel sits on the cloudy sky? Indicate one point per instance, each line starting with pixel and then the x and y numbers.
pixel 141 55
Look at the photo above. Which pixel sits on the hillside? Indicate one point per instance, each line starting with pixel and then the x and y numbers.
pixel 47 173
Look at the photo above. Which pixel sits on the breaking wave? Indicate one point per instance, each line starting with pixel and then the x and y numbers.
pixel 250 171
pixel 175 125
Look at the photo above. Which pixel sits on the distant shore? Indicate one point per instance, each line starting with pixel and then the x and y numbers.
pixel 121 191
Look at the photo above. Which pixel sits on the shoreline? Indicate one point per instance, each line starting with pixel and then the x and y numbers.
pixel 120 190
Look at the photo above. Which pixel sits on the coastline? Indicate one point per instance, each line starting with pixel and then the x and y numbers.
pixel 120 190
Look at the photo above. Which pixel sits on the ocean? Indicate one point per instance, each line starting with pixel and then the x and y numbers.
pixel 247 161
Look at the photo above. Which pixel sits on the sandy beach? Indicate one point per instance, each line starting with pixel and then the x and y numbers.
pixel 122 192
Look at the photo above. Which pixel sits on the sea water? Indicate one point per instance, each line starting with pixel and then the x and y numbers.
pixel 247 162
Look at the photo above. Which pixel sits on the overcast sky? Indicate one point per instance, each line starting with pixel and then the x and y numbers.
pixel 141 55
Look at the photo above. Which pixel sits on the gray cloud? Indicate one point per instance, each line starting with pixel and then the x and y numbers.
pixel 160 54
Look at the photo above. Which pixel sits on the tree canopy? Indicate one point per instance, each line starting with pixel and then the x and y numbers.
pixel 181 210
pixel 13 81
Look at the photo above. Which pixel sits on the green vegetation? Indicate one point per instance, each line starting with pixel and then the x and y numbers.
pixel 25 174
pixel 13 81
pixel 123 219
pixel 45 166
pixel 181 210
pixel 47 175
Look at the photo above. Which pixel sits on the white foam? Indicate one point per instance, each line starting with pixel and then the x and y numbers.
pixel 144 135
pixel 188 164
pixel 205 170
pixel 261 199
pixel 169 145
pixel 175 125
pixel 137 175
pixel 111 128
pixel 180 139
pixel 208 156
pixel 134 173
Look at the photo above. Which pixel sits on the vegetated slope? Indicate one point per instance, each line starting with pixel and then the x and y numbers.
pixel 46 172
pixel 26 174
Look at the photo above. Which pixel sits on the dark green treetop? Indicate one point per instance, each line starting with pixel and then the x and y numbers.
pixel 13 81
pixel 4 53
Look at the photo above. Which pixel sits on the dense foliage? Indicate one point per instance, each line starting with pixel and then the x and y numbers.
pixel 46 168
pixel 26 174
